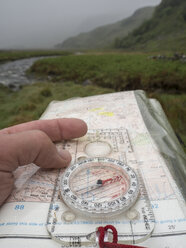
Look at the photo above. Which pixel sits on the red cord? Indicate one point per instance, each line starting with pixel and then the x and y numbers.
pixel 114 243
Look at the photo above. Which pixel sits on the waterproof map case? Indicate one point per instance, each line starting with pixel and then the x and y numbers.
pixel 117 170
pixel 97 191
pixel 128 172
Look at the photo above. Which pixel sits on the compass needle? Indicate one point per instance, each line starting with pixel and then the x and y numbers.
pixel 92 187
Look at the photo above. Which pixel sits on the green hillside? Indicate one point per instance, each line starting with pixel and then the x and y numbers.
pixel 104 36
pixel 166 30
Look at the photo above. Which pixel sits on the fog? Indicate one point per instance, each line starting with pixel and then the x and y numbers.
pixel 44 23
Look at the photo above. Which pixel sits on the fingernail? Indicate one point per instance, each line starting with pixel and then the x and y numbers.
pixel 65 155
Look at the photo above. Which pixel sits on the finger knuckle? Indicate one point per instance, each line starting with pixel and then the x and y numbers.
pixel 40 136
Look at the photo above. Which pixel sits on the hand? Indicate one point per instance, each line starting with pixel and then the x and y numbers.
pixel 31 142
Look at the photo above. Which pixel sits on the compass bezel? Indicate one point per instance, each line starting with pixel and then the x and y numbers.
pixel 98 209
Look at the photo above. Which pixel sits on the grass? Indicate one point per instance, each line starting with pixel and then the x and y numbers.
pixel 10 55
pixel 174 106
pixel 116 71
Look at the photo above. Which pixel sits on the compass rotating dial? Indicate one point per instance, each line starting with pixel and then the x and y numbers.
pixel 99 186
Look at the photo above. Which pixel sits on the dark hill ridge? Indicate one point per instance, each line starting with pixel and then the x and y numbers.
pixel 106 35
pixel 166 30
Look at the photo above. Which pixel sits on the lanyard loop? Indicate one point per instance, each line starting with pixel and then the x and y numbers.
pixel 114 243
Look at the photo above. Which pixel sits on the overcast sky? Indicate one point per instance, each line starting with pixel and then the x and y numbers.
pixel 45 23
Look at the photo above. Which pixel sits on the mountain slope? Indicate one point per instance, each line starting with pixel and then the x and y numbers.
pixel 166 30
pixel 104 36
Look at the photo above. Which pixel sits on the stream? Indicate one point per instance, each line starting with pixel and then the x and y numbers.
pixel 13 74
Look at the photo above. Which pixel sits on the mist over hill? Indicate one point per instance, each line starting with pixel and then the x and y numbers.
pixel 42 24
pixel 105 36
pixel 166 30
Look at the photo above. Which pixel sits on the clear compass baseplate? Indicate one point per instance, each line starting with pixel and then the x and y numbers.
pixel 98 190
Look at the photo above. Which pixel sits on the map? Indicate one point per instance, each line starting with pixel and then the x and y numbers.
pixel 116 120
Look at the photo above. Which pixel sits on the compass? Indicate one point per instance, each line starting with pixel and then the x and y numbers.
pixel 99 187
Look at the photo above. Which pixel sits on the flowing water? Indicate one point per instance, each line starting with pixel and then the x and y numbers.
pixel 13 74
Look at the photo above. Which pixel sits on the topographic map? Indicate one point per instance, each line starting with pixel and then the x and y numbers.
pixel 116 120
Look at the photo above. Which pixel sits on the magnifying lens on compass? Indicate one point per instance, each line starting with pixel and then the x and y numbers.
pixel 99 187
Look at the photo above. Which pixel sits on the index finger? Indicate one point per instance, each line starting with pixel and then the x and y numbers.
pixel 56 129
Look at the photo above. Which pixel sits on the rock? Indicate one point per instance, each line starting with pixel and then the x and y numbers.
pixel 14 87
pixel 78 53
pixel 49 78
pixel 11 86
pixel 87 82
pixel 176 56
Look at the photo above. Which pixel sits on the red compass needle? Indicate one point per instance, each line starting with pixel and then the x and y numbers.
pixel 109 180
